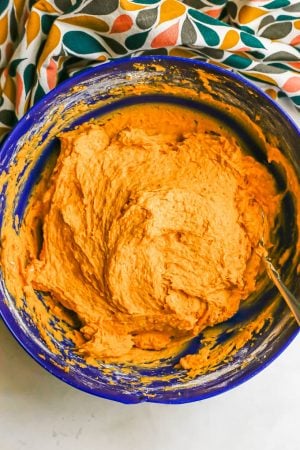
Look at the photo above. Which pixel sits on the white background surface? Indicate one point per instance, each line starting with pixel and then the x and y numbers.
pixel 39 412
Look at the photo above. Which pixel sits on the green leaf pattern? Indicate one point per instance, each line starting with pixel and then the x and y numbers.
pixel 45 42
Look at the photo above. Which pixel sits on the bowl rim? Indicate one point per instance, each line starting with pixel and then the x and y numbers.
pixel 6 314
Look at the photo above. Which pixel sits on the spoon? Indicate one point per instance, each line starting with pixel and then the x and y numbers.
pixel 273 274
pixel 289 298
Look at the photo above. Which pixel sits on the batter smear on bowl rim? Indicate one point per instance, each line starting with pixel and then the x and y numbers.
pixel 151 224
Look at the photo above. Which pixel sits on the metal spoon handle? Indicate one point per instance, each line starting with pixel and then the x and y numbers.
pixel 290 299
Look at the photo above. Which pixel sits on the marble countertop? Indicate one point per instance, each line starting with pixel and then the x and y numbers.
pixel 39 412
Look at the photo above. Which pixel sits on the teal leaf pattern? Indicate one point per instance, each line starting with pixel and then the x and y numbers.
pixel 203 18
pixel 13 66
pixel 47 21
pixel 136 40
pixel 251 41
pixel 66 36
pixel 29 75
pixel 209 35
pixel 277 4
pixel 237 61
pixel 39 93
pixel 81 42
pixel 3 5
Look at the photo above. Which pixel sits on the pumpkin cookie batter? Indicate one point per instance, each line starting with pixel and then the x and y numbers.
pixel 151 222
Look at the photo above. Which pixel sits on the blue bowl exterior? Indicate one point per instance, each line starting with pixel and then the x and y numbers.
pixel 31 345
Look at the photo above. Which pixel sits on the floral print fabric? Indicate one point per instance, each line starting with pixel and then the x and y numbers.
pixel 46 41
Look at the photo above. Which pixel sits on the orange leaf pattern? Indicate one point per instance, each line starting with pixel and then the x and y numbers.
pixel 45 41
pixel 33 27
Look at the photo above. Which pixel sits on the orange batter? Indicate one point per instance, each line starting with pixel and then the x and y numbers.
pixel 151 221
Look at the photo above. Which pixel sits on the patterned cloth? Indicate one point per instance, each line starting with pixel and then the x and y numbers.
pixel 44 42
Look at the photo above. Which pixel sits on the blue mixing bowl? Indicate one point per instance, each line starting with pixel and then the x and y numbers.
pixel 96 91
